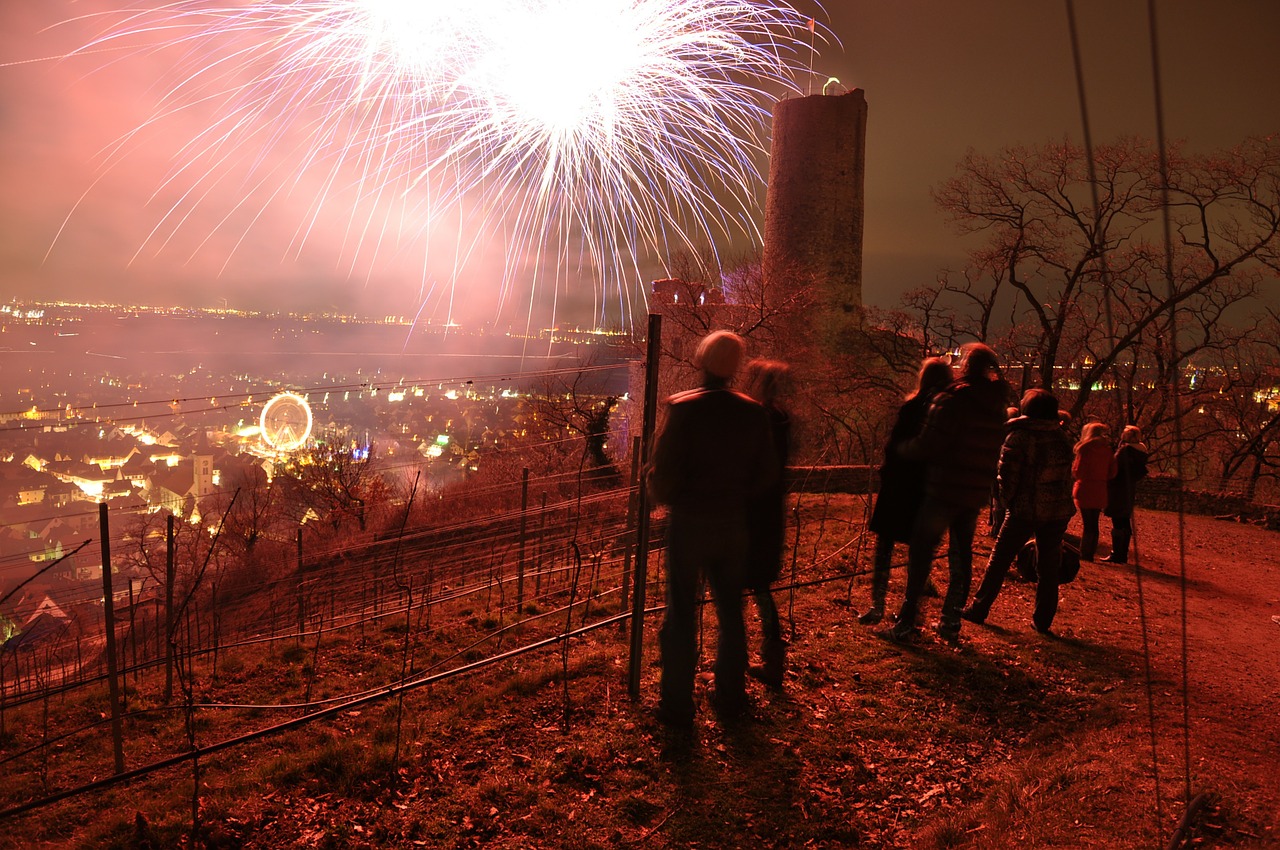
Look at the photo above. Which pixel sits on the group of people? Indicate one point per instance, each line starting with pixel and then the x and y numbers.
pixel 1105 482
pixel 718 465
pixel 954 442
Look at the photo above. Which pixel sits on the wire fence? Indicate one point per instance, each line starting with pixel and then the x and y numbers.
pixel 428 602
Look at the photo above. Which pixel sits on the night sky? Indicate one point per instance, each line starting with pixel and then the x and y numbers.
pixel 940 77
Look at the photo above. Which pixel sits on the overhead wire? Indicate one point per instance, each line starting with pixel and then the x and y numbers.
pixel 1174 384
pixel 1174 390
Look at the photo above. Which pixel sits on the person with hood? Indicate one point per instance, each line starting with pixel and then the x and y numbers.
pixel 901 483
pixel 1034 480
pixel 1092 468
pixel 714 454
pixel 960 447
pixel 1130 468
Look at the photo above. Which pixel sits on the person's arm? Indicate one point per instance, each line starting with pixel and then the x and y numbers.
pixel 924 445
pixel 1012 467
pixel 665 469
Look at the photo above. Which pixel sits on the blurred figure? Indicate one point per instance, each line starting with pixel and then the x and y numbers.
pixel 1035 481
pixel 1130 468
pixel 960 447
pixel 901 483
pixel 715 453
pixel 1092 468
pixel 764 381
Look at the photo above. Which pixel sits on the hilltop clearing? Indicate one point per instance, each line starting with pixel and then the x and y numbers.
pixel 1011 739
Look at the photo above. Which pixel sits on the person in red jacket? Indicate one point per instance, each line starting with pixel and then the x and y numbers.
pixel 1093 467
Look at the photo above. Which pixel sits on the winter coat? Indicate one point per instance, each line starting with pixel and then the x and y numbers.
pixel 715 453
pixel 960 441
pixel 1092 468
pixel 1035 471
pixel 901 480
pixel 1131 467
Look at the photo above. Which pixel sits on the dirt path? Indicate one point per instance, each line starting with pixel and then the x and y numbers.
pixel 1232 650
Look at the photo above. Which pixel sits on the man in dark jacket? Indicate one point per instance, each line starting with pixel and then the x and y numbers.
pixel 960 447
pixel 1035 486
pixel 714 453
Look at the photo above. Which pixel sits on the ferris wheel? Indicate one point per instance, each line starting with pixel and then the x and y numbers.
pixel 286 422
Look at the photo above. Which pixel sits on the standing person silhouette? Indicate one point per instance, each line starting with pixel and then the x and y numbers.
pixel 960 447
pixel 767 521
pixel 1130 467
pixel 1034 480
pixel 901 483
pixel 714 453
pixel 1093 467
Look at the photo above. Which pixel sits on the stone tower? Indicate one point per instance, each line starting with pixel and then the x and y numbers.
pixel 813 210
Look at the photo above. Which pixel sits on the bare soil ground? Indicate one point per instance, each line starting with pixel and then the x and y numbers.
pixel 1011 739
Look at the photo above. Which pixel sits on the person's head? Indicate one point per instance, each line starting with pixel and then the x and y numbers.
pixel 935 373
pixel 978 362
pixel 1131 435
pixel 1039 404
pixel 719 354
pixel 1094 431
pixel 764 379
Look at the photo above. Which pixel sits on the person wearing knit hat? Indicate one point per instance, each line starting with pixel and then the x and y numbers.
pixel 959 445
pixel 719 354
pixel 714 454
pixel 1130 468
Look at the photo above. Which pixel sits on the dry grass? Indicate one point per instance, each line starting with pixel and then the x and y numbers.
pixel 1010 740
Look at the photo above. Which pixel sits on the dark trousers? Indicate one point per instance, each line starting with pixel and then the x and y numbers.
pixel 882 562
pixel 1014 534
pixel 1121 534
pixel 1089 533
pixel 715 547
pixel 937 517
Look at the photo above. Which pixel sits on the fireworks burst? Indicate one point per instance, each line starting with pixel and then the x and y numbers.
pixel 590 134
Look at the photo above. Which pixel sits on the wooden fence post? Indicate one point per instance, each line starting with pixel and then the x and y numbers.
pixel 109 614
pixel 524 530
pixel 652 356
pixel 632 505
pixel 170 571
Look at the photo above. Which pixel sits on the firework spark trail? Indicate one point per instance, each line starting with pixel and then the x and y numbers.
pixel 625 127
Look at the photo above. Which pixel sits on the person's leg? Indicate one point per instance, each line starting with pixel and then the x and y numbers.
pixel 677 638
pixel 964 524
pixel 880 566
pixel 999 513
pixel 725 571
pixel 1049 568
pixel 773 649
pixel 1014 534
pixel 1089 532
pixel 1121 534
pixel 931 522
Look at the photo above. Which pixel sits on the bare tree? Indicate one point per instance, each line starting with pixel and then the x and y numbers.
pixel 339 479
pixel 1079 293
pixel 572 413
